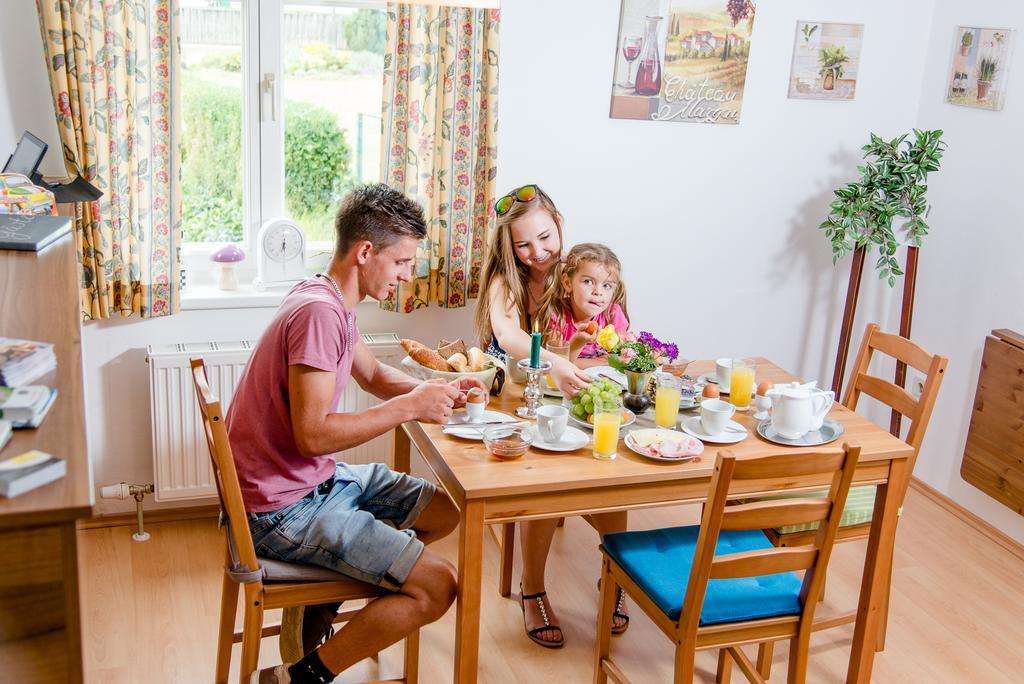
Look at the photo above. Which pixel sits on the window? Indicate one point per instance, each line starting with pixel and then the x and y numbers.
pixel 281 112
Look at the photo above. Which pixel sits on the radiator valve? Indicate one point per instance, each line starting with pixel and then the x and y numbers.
pixel 123 490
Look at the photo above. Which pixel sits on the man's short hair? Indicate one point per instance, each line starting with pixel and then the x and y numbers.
pixel 377 213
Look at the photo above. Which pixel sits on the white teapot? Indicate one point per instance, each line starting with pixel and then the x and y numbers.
pixel 798 409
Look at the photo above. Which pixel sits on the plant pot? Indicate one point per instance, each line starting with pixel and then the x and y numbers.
pixel 636 398
pixel 830 82
pixel 983 87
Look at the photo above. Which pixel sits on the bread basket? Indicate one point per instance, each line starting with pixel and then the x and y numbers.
pixel 485 376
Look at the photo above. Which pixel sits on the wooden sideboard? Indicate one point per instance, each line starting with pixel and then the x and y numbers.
pixel 40 630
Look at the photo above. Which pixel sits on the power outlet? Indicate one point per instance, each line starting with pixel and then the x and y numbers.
pixel 915 383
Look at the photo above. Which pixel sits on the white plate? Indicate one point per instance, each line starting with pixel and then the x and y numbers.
pixel 548 390
pixel 710 379
pixel 572 439
pixel 631 443
pixel 583 423
pixel 735 432
pixel 475 433
pixel 597 373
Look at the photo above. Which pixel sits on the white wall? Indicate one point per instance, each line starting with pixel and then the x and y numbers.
pixel 25 103
pixel 972 281
pixel 716 225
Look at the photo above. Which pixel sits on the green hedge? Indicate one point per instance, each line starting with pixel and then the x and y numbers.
pixel 317 163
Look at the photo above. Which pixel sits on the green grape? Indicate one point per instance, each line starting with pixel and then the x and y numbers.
pixel 579 411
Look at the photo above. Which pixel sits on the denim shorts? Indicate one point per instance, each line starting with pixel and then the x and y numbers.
pixel 356 523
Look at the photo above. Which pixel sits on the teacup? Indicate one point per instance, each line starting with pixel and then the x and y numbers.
pixel 715 415
pixel 723 374
pixel 551 422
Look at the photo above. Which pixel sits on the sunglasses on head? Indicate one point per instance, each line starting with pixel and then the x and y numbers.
pixel 527 193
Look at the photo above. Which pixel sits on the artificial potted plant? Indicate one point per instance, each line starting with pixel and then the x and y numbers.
pixel 893 184
pixel 986 74
pixel 965 42
pixel 831 60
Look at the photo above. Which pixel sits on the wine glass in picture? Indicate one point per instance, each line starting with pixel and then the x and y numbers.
pixel 630 50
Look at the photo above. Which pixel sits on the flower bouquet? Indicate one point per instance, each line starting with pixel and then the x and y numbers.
pixel 637 357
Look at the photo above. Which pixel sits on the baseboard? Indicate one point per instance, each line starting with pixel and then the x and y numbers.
pixel 150 517
pixel 971 519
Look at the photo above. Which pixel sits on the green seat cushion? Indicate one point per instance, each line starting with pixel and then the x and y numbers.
pixel 860 504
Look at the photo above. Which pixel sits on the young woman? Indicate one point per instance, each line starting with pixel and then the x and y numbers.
pixel 523 262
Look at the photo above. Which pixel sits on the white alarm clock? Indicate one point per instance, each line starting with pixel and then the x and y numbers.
pixel 281 254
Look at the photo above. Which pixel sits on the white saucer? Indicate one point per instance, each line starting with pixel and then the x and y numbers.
pixel 711 379
pixel 599 373
pixel 548 390
pixel 471 432
pixel 572 439
pixel 691 426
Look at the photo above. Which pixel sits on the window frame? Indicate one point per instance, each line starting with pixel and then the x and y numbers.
pixel 263 183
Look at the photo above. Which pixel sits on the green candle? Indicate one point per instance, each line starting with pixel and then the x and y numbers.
pixel 535 350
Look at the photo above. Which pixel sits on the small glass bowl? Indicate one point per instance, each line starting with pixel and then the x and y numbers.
pixel 507 443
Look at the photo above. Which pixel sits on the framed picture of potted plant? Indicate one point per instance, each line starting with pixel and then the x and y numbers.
pixel 826 58
pixel 980 67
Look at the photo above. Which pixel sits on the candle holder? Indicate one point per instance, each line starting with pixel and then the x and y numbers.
pixel 532 393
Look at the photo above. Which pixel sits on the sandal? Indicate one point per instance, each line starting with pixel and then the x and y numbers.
pixel 532 633
pixel 620 597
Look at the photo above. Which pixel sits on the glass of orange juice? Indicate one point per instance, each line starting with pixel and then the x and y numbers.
pixel 607 421
pixel 558 349
pixel 667 396
pixel 741 384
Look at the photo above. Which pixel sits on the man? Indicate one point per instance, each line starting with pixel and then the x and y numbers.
pixel 365 521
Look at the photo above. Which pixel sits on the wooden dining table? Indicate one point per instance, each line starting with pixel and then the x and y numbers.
pixel 554 484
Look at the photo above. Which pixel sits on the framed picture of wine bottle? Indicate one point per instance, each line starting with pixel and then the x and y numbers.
pixel 682 60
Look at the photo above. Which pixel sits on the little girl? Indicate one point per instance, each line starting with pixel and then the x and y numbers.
pixel 586 296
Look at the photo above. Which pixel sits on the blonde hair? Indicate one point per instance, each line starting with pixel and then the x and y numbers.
pixel 556 306
pixel 502 262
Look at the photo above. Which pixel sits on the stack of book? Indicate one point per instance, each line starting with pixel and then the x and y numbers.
pixel 29 470
pixel 22 361
pixel 5 432
pixel 25 407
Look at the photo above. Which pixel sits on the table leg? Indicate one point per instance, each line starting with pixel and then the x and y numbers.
pixel 877 562
pixel 402 450
pixel 467 608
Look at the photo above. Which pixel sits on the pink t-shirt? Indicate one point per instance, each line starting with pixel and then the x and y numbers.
pixel 615 316
pixel 310 329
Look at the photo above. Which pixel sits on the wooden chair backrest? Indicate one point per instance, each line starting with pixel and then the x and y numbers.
pixel 917 410
pixel 776 472
pixel 224 472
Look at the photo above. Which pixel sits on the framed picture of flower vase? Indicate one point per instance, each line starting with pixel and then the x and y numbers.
pixel 682 60
pixel 826 59
pixel 981 65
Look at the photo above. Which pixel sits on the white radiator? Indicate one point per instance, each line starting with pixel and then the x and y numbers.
pixel 181 461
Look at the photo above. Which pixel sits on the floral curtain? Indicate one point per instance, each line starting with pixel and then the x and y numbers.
pixel 111 67
pixel 439 141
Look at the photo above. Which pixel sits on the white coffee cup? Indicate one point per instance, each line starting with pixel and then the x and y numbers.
pixel 551 422
pixel 715 415
pixel 723 374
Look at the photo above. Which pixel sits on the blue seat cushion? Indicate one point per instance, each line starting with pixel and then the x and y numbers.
pixel 659 561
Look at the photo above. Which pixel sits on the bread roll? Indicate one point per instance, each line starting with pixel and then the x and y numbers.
pixel 458 362
pixel 429 358
pixel 476 359
pixel 409 345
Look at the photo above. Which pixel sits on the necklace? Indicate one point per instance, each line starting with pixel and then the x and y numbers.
pixel 341 297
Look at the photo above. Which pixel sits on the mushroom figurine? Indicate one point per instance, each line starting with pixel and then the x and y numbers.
pixel 226 257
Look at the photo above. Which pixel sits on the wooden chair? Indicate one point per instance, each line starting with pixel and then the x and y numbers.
pixel 856 521
pixel 267 583
pixel 756 596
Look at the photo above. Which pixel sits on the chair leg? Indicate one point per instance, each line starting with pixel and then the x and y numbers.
pixel 765 651
pixel 561 522
pixel 724 674
pixel 508 549
pixel 605 607
pixel 252 630
pixel 883 621
pixel 226 630
pixel 412 658
pixel 686 653
pixel 799 647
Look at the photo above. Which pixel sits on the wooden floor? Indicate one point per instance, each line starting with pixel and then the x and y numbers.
pixel 149 610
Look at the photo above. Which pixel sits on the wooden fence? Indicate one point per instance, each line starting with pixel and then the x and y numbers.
pixel 223 26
